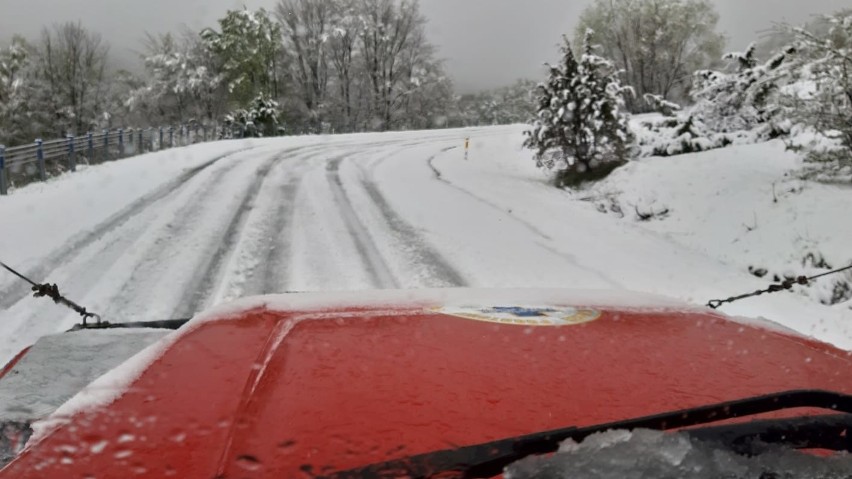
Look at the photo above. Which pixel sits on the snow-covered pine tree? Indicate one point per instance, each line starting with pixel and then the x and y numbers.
pixel 581 127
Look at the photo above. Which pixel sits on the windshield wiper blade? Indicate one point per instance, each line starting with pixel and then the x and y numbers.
pixel 804 432
pixel 489 459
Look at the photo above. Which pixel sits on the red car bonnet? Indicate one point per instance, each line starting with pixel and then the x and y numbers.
pixel 284 393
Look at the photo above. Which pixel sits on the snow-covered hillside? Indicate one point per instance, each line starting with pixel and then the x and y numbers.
pixel 168 234
pixel 741 205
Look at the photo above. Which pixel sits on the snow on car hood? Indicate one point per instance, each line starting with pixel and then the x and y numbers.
pixel 58 366
pixel 106 388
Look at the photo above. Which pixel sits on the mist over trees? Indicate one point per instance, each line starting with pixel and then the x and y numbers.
pixel 657 44
pixel 56 85
pixel 306 66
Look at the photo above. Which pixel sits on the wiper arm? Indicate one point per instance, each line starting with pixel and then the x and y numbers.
pixel 489 459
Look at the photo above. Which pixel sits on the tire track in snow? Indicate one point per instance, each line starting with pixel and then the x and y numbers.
pixel 257 246
pixel 529 226
pixel 374 264
pixel 159 264
pixel 274 267
pixel 440 177
pixel 260 262
pixel 432 261
pixel 206 278
pixel 428 259
pixel 63 255
pixel 90 271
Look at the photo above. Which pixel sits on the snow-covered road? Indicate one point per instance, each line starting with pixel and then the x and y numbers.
pixel 169 234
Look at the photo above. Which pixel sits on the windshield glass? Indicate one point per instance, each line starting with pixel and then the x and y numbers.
pixel 565 213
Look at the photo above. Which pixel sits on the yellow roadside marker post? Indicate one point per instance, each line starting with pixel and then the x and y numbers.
pixel 466 146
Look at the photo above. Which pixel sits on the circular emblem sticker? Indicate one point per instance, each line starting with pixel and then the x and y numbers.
pixel 526 316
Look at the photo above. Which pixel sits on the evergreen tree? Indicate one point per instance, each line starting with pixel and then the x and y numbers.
pixel 580 124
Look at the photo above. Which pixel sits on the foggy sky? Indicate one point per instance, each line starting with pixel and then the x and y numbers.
pixel 486 43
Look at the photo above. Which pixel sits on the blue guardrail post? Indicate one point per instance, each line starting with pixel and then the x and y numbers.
pixel 171 137
pixel 91 141
pixel 106 146
pixel 42 171
pixel 120 143
pixel 141 148
pixel 72 160
pixel 160 145
pixel 3 186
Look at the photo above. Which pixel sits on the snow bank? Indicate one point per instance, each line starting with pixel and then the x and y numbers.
pixel 711 216
pixel 740 205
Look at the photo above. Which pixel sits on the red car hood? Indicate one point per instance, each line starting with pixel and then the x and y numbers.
pixel 299 386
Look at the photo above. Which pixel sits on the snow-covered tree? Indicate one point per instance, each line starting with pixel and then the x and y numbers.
pixel 70 81
pixel 123 85
pixel 742 97
pixel 260 118
pixel 581 125
pixel 660 105
pixel 820 93
pixel 248 49
pixel 657 43
pixel 307 27
pixel 15 66
pixel 392 39
pixel 343 55
pixel 181 83
pixel 429 93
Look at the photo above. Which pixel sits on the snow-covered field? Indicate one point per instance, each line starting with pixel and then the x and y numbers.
pixel 168 234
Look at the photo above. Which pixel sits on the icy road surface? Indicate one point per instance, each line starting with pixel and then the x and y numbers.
pixel 168 234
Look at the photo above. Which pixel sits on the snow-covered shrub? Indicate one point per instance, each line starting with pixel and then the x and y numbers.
pixel 685 133
pixel 581 128
pixel 660 105
pixel 826 158
pixel 819 98
pixel 259 119
pixel 744 97
pixel 736 106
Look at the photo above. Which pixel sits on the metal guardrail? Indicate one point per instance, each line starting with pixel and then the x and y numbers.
pixel 41 160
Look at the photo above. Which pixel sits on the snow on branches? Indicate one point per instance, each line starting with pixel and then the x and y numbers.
pixel 740 98
pixel 581 124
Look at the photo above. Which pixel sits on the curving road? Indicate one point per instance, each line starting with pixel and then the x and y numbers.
pixel 260 220
pixel 352 212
